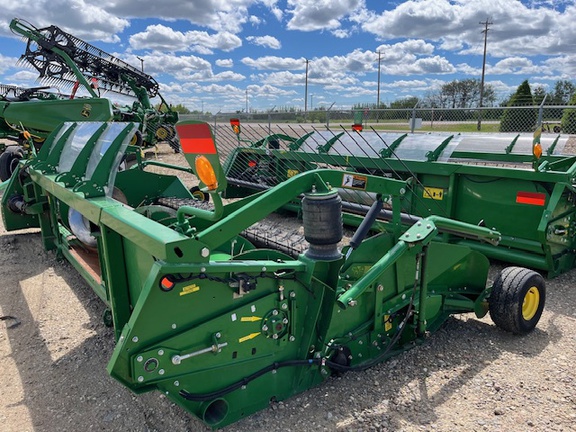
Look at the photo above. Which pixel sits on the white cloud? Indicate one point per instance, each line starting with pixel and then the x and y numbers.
pixel 310 15
pixel 265 41
pixel 225 63
pixel 275 63
pixel 161 37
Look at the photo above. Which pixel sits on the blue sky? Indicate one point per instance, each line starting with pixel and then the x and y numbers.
pixel 216 54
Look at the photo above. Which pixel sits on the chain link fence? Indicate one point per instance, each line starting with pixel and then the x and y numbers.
pixel 553 118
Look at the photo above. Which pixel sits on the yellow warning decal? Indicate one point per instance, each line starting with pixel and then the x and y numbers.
pixel 248 337
pixel 433 193
pixel 189 289
pixel 250 319
pixel 291 173
pixel 387 323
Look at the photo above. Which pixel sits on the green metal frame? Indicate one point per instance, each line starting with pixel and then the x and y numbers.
pixel 220 326
pixel 537 233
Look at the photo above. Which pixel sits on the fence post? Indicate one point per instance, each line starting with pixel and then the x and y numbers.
pixel 413 122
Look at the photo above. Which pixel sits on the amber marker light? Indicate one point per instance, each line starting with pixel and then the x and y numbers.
pixel 205 172
pixel 235 123
pixel 357 127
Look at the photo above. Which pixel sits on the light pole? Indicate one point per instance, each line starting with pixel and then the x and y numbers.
pixel 141 63
pixel 306 90
pixel 485 31
pixel 378 96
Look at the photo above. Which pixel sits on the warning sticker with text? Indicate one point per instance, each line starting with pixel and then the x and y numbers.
pixel 353 181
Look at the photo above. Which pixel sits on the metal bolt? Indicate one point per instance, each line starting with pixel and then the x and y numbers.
pixel 419 224
pixel 139 359
pixel 375 343
pixel 161 372
pixel 274 312
pixel 352 303
pixel 360 342
pixel 284 306
pixel 263 269
pixel 380 288
pixel 218 335
pixel 176 383
pixel 203 270
pixel 135 339
pixel 274 336
pixel 359 354
pixel 285 321
pixel 428 226
pixel 160 352
pixel 205 252
pixel 418 235
pixel 292 294
pixel 174 326
pixel 243 387
pixel 140 378
pixel 403 296
pixel 264 328
pixel 291 338
pixel 273 371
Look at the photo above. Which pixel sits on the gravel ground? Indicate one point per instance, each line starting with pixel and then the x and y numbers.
pixel 469 376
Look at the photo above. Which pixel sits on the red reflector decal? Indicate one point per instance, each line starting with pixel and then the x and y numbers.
pixel 252 164
pixel 196 138
pixel 532 198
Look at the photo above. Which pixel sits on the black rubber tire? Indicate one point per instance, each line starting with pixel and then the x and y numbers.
pixel 199 195
pixel 517 300
pixel 137 140
pixel 9 161
pixel 165 132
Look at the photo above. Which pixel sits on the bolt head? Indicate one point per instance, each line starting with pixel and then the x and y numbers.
pixel 205 252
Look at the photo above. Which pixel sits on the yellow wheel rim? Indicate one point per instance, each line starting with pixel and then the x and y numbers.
pixel 530 303
pixel 161 133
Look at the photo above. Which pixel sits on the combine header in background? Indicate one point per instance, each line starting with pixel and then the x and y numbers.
pixel 491 180
pixel 219 316
pixel 62 59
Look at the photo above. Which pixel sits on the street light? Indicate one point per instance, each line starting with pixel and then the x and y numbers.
pixel 141 63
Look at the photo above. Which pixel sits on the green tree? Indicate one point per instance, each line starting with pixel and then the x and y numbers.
pixel 518 119
pixel 461 94
pixel 562 93
pixel 569 117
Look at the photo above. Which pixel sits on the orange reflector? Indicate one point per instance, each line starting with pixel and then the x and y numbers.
pixel 26 135
pixel 196 138
pixel 205 172
pixel 235 123
pixel 537 150
pixel 252 164
pixel 531 198
pixel 357 127
pixel 166 283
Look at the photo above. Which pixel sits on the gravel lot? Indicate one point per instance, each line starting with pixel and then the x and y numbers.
pixel 470 376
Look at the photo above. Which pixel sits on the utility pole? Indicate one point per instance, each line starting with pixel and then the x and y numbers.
pixel 378 97
pixel 246 101
pixel 306 91
pixel 485 31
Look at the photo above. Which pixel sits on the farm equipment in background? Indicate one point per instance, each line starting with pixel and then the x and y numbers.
pixel 491 180
pixel 217 309
pixel 63 59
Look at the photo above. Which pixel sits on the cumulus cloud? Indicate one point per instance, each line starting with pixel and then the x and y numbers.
pixel 161 37
pixel 225 63
pixel 310 15
pixel 275 63
pixel 265 41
